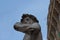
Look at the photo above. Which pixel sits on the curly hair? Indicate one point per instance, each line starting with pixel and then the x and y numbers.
pixel 30 16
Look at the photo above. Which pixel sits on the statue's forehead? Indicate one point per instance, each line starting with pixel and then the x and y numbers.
pixel 28 20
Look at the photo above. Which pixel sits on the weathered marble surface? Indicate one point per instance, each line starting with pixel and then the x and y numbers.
pixel 31 28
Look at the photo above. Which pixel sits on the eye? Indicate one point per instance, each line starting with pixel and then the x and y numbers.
pixel 27 19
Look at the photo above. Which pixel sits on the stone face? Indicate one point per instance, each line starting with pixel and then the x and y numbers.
pixel 30 26
pixel 53 20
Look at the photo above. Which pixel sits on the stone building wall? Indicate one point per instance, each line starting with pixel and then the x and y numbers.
pixel 53 20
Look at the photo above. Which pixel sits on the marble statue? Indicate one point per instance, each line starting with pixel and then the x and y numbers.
pixel 30 26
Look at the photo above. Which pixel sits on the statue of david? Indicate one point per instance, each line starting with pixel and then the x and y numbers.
pixel 30 26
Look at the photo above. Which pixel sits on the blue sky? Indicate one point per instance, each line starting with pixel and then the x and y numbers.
pixel 11 12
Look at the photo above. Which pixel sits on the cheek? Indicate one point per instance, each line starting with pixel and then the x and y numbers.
pixel 26 21
pixel 30 21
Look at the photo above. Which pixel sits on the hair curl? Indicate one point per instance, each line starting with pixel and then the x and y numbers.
pixel 30 16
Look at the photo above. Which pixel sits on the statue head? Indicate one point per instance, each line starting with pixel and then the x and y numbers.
pixel 28 18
